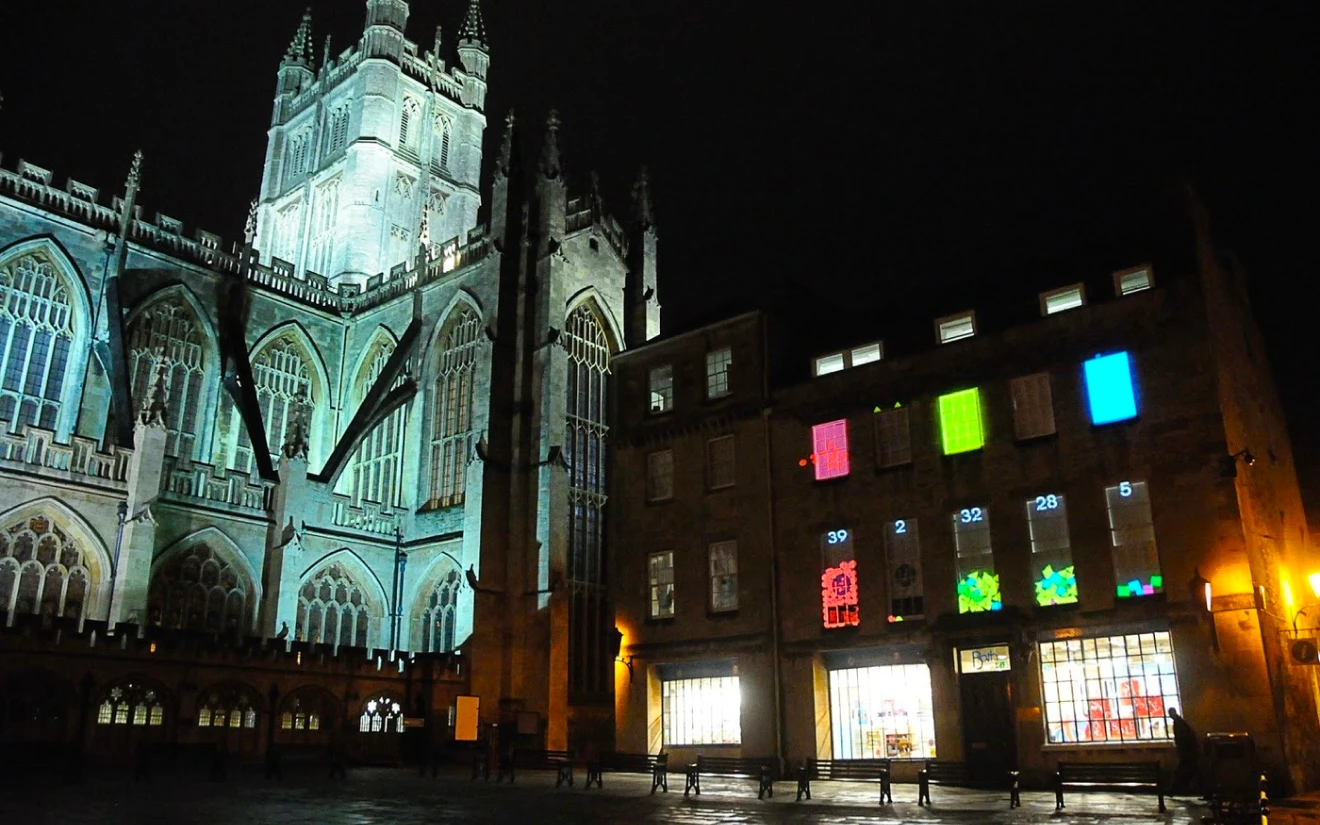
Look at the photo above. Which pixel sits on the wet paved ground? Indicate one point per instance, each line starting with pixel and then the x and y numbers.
pixel 383 795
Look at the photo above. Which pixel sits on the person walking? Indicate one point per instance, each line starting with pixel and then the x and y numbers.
pixel 1187 776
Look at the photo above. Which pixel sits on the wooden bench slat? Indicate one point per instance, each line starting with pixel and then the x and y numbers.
pixel 657 765
pixel 1132 777
pixel 948 772
pixel 758 768
pixel 536 759
pixel 845 770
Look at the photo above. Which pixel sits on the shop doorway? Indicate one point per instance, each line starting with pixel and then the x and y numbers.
pixel 988 719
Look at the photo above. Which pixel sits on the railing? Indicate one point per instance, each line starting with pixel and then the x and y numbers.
pixel 37 447
pixel 196 481
pixel 369 516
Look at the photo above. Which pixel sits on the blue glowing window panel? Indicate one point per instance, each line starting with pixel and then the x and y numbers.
pixel 1109 388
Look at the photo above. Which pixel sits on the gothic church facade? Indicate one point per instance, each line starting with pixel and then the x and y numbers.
pixel 373 423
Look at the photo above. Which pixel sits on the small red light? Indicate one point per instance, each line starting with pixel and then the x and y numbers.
pixel 802 462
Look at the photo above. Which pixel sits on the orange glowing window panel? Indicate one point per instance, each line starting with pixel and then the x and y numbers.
pixel 839 595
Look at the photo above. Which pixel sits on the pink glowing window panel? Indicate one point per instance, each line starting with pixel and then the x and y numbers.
pixel 839 595
pixel 829 444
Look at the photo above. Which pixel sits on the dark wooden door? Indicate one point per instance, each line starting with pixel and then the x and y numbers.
pixel 989 724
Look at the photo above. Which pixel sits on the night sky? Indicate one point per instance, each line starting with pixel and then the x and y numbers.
pixel 855 154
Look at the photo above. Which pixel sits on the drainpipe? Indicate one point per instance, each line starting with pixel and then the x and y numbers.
pixel 400 566
pixel 114 565
pixel 774 556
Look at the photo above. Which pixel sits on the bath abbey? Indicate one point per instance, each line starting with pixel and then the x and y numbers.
pixel 336 473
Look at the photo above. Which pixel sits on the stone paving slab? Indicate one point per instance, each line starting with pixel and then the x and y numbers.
pixel 384 795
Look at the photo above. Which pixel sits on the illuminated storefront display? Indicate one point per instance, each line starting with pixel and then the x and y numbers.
pixel 978 583
pixel 704 711
pixel 1051 550
pixel 882 712
pixel 829 444
pixel 838 584
pixel 960 421
pixel 1109 389
pixel 1109 688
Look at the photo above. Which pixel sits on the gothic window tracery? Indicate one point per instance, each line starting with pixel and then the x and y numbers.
pixel 444 128
pixel 323 228
pixel 586 437
pixel 282 372
pixel 227 706
pixel 408 117
pixel 337 128
pixel 37 331
pixel 378 465
pixel 452 433
pixel 439 612
pixel 332 609
pixel 43 571
pixel 200 589
pixel 381 714
pixel 168 332
pixel 131 703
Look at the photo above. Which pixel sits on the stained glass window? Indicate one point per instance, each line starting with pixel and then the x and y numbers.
pixel 332 609
pixel 37 330
pixel 452 433
pixel 200 589
pixel 438 614
pixel 167 333
pixel 283 375
pixel 43 571
pixel 378 464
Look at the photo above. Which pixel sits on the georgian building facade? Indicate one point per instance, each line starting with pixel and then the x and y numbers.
pixel 332 430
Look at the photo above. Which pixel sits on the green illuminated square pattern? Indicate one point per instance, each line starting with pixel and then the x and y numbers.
pixel 960 421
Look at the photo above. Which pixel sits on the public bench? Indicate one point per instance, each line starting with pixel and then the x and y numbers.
pixel 844 770
pixel 945 772
pixel 759 768
pixel 278 757
pixel 178 757
pixel 654 765
pixel 561 762
pixel 1131 777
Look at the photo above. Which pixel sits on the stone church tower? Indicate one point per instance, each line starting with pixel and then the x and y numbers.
pixel 375 423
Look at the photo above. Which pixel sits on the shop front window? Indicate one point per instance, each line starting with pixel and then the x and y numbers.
pixel 882 712
pixel 1109 688
pixel 705 711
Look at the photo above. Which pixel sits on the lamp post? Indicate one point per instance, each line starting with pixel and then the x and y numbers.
pixel 400 568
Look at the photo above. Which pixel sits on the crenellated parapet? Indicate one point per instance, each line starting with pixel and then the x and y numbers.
pixel 35 449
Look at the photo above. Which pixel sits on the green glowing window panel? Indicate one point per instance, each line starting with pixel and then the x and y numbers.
pixel 1109 388
pixel 1132 532
pixel 1051 550
pixel 978 583
pixel 960 421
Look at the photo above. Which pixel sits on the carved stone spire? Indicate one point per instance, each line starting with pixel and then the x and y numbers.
pixel 437 49
pixel 473 30
pixel 643 211
pixel 250 228
pixel 300 49
pixel 296 434
pixel 550 150
pixel 154 407
pixel 134 181
pixel 424 231
pixel 325 54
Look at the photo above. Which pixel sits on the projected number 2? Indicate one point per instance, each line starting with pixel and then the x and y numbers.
pixel 900 526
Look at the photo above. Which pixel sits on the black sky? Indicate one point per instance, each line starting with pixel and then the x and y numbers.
pixel 858 151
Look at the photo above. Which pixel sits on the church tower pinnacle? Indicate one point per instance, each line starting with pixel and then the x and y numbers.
pixel 384 33
pixel 474 54
pixel 296 67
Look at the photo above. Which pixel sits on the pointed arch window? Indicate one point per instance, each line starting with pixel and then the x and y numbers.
pixel 332 609
pixel 200 589
pixel 585 444
pixel 43 571
pixel 381 714
pixel 133 704
pixel 337 128
pixel 444 128
pixel 283 375
pixel 452 433
pixel 437 617
pixel 168 332
pixel 37 331
pixel 408 116
pixel 378 465
pixel 323 227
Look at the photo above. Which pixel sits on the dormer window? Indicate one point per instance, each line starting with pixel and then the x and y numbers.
pixel 956 327
pixel 1062 299
pixel 1136 279
pixel 855 357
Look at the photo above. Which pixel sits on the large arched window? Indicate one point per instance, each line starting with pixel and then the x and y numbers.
pixel 168 331
pixel 451 433
pixel 444 128
pixel 37 330
pixel 132 703
pixel 43 571
pixel 283 375
pixel 333 609
pixel 378 464
pixel 320 258
pixel 436 619
pixel 409 115
pixel 381 714
pixel 200 589
pixel 584 448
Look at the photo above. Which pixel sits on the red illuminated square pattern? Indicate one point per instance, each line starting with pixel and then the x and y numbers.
pixel 829 443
